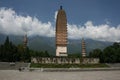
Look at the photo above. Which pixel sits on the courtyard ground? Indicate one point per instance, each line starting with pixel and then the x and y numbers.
pixel 84 75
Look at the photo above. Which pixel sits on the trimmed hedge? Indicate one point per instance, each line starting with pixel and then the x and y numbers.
pixel 38 65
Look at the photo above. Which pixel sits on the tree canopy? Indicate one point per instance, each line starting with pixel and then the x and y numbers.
pixel 110 54
pixel 11 53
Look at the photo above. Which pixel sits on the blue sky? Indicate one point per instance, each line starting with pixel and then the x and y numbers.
pixel 99 14
pixel 78 11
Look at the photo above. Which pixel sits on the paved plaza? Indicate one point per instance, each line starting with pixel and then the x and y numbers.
pixel 12 65
pixel 10 71
pixel 37 75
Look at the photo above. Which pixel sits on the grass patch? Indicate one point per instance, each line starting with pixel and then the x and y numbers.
pixel 38 65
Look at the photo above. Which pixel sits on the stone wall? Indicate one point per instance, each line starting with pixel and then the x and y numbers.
pixel 64 60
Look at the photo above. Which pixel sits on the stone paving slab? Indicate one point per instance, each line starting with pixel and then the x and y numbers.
pixel 87 75
pixel 71 69
pixel 12 65
pixel 113 64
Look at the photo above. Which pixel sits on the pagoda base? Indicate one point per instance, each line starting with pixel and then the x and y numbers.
pixel 61 51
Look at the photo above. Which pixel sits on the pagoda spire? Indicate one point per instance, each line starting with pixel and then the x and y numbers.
pixel 61 33
pixel 83 48
pixel 25 41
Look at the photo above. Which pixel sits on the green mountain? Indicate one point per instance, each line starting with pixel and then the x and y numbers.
pixel 48 43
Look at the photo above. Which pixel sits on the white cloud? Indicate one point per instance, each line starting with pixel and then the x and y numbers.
pixel 11 23
pixel 55 17
pixel 102 32
pixel 14 24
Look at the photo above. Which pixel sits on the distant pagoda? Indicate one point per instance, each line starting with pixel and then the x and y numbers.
pixel 25 41
pixel 83 48
pixel 61 33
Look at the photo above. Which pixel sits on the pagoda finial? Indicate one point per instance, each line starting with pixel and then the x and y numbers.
pixel 60 7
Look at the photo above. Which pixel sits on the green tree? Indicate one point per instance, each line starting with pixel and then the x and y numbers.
pixel 95 53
